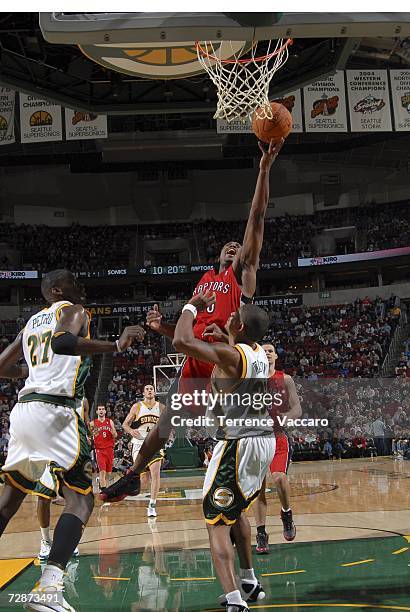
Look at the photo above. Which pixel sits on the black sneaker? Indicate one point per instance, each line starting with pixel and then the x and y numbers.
pixel 130 484
pixel 262 543
pixel 289 528
pixel 252 592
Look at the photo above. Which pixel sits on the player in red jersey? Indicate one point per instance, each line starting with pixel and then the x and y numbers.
pixel 286 402
pixel 233 284
pixel 104 435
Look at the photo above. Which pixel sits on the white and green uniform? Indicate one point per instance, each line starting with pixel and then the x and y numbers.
pixel 46 432
pixel 246 441
pixel 145 419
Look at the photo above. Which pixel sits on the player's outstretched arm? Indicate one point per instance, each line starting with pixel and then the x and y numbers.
pixel 9 358
pixel 154 321
pixel 246 261
pixel 221 354
pixel 67 338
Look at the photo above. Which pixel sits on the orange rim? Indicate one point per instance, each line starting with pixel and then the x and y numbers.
pixel 261 58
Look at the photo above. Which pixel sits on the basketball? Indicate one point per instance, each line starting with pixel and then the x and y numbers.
pixel 273 129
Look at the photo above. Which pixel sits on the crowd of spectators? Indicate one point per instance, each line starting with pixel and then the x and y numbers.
pixel 346 340
pixel 289 236
pixel 77 247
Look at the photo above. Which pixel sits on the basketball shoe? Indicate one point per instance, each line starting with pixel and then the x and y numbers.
pixel 151 510
pixel 130 484
pixel 289 528
pixel 262 543
pixel 48 598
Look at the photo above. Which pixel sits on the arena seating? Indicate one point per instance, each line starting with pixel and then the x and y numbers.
pixel 85 247
pixel 329 350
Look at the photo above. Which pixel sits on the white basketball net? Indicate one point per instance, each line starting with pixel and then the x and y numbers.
pixel 242 85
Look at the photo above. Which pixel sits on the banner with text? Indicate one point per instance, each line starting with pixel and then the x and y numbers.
pixel 82 125
pixel 7 110
pixel 18 274
pixel 279 300
pixel 40 120
pixel 325 105
pixel 369 100
pixel 327 260
pixel 400 89
pixel 119 310
pixel 293 102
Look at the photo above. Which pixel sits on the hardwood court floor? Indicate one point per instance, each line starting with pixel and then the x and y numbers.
pixel 352 548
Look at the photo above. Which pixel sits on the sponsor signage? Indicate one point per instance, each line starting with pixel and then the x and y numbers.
pixel 18 274
pixel 7 110
pixel 400 89
pixel 118 310
pixel 40 120
pixel 80 125
pixel 325 104
pixel 336 259
pixel 279 300
pixel 369 100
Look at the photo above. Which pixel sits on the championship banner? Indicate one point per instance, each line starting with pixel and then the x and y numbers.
pixel 40 120
pixel 7 110
pixel 400 90
pixel 279 300
pixel 293 102
pixel 369 100
pixel 234 127
pixel 82 125
pixel 325 104
pixel 18 274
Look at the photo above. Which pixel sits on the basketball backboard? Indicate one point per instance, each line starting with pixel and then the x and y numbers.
pixel 125 28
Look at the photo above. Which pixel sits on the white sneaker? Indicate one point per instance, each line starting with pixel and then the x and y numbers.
pixel 44 550
pixel 151 510
pixel 48 598
pixel 76 552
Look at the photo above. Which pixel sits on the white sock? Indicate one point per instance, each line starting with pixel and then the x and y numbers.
pixel 51 575
pixel 247 575
pixel 234 597
pixel 152 502
pixel 283 510
pixel 45 534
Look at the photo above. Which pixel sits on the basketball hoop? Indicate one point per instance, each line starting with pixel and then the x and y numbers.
pixel 242 84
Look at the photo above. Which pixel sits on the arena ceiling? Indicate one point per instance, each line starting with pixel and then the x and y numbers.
pixel 169 123
pixel 62 73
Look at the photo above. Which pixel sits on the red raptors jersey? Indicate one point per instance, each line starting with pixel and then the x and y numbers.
pixel 276 385
pixel 228 297
pixel 103 438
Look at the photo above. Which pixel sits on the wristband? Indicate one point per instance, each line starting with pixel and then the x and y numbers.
pixel 191 308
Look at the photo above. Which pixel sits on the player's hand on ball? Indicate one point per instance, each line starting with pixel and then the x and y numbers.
pixel 269 155
pixel 130 333
pixel 154 318
pixel 203 300
pixel 215 332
